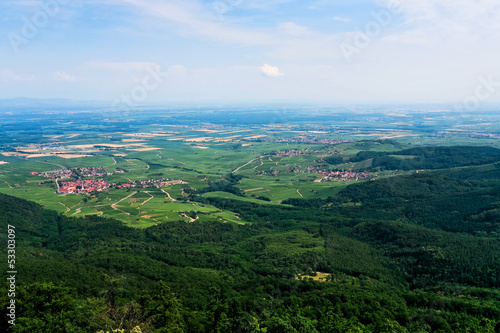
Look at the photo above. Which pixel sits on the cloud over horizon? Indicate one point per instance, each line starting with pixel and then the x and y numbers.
pixel 428 50
pixel 62 76
pixel 270 71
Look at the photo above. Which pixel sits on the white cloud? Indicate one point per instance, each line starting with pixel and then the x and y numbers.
pixel 430 50
pixel 8 76
pixel 122 66
pixel 63 76
pixel 294 29
pixel 472 25
pixel 192 19
pixel 177 70
pixel 270 71
pixel 458 13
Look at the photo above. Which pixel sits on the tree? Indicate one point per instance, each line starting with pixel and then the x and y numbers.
pixel 165 311
pixel 45 307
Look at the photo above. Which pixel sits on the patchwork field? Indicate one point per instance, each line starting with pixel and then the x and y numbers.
pixel 273 162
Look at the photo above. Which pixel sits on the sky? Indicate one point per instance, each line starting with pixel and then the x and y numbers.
pixel 243 51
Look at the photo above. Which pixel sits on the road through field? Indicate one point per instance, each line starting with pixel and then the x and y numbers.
pixel 116 203
pixel 244 165
pixel 191 220
pixel 1 180
pixel 261 163
pixel 67 208
pixel 168 195
pixel 151 197
pixel 114 162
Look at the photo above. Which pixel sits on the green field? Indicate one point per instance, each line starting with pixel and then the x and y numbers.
pixel 198 155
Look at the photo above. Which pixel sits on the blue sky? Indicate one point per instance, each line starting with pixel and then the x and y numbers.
pixel 358 51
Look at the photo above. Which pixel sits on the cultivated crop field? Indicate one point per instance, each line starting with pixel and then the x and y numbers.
pixel 273 162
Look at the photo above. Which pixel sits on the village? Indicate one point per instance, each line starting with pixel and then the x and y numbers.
pixel 86 186
pixel 70 181
pixel 310 140
pixel 92 171
pixel 296 152
pixel 328 175
pixel 57 174
pixel 74 173
pixel 83 186
pixel 344 175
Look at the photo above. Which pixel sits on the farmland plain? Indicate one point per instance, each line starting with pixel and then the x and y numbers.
pixel 276 158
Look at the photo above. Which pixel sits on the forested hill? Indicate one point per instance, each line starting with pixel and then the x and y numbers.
pixel 371 259
pixel 429 157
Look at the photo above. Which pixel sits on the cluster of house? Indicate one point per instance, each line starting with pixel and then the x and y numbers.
pixel 268 172
pixel 74 172
pixel 342 175
pixel 53 146
pixel 296 152
pixel 92 171
pixel 84 186
pixel 61 174
pixel 75 184
pixel 150 183
pixel 309 139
